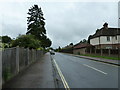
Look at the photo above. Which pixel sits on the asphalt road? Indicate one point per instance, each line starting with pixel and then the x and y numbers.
pixel 83 73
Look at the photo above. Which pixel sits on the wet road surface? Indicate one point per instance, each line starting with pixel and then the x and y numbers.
pixel 83 73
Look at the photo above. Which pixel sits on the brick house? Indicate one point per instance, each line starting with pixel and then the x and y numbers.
pixel 105 38
pixel 67 49
pixel 80 48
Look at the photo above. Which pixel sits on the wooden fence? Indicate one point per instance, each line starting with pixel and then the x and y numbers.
pixel 14 60
pixel 104 52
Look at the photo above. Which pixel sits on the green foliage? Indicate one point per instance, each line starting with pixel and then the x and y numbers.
pixel 89 38
pixel 105 57
pixel 78 53
pixel 58 49
pixel 36 34
pixel 26 41
pixel 45 42
pixel 84 41
pixel 0 38
pixel 36 26
pixel 71 44
pixel 6 46
pixel 40 48
pixel 36 22
pixel 51 48
pixel 7 74
pixel 6 39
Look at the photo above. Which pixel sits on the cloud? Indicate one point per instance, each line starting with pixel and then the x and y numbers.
pixel 13 30
pixel 79 20
pixel 66 22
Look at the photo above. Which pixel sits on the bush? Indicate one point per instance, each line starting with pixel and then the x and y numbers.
pixel 26 41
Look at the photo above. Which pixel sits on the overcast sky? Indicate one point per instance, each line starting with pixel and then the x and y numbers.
pixel 66 22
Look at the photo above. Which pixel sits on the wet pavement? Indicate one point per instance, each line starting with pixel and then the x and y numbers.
pixel 37 75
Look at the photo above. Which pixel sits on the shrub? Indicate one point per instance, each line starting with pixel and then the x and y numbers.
pixel 26 41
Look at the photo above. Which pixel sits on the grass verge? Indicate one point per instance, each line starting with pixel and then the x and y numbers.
pixel 105 57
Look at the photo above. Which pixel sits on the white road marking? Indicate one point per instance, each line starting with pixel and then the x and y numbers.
pixel 62 77
pixel 93 60
pixel 95 69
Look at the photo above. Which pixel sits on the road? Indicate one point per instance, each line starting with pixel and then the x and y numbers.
pixel 83 73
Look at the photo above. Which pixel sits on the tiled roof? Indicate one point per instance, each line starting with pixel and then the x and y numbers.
pixel 81 45
pixel 106 32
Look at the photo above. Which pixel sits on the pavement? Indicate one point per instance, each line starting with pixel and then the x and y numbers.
pixel 86 74
pixel 37 75
pixel 74 72
pixel 110 61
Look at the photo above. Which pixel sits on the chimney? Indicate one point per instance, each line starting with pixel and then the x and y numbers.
pixel 105 25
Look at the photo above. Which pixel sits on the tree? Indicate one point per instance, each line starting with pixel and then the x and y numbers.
pixel 59 48
pixel 71 44
pixel 36 22
pixel 45 42
pixel 89 38
pixel 81 41
pixel 26 41
pixel 6 39
pixel 84 41
pixel 0 38
pixel 36 26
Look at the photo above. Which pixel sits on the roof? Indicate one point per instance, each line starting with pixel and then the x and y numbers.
pixel 81 45
pixel 68 46
pixel 106 32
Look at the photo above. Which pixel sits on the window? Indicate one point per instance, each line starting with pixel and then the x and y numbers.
pixel 108 38
pixel 116 37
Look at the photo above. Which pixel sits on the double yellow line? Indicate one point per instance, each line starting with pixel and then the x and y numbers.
pixel 61 76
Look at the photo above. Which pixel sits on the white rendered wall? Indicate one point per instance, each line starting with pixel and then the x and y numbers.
pixel 94 41
pixel 103 40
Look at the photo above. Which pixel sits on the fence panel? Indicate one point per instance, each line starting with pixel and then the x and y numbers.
pixel 98 51
pixel 9 63
pixel 13 61
pixel 103 52
pixel 16 59
pixel 114 51
pixel 21 58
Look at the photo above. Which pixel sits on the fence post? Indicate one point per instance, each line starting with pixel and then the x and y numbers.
pixel 17 60
pixel 101 52
pixel 32 56
pixel 0 69
pixel 109 52
pixel 28 56
pixel 95 51
pixel 35 55
pixel 90 50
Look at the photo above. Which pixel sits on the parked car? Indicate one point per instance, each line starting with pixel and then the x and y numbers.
pixel 52 52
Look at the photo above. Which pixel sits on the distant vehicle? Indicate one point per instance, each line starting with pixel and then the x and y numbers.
pixel 52 52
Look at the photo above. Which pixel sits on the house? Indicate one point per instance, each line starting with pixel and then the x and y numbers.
pixel 80 48
pixel 106 38
pixel 67 49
